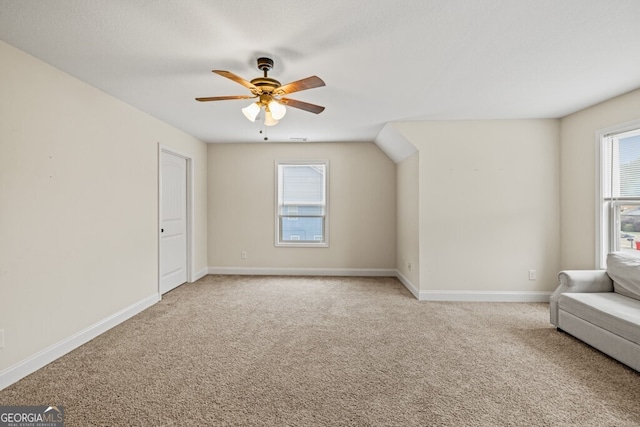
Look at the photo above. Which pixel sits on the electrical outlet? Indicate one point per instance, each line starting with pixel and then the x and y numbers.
pixel 532 275
pixel 1 338
pixel 243 255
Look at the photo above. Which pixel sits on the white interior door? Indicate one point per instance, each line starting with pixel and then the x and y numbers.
pixel 173 221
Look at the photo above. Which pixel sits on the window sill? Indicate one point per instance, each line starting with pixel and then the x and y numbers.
pixel 302 245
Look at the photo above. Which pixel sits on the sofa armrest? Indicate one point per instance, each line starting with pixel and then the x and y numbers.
pixel 585 281
pixel 578 281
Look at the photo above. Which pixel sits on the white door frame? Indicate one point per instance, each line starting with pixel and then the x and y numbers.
pixel 190 210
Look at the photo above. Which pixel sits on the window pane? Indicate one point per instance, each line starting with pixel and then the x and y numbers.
pixel 629 164
pixel 301 229
pixel 302 184
pixel 622 166
pixel 628 220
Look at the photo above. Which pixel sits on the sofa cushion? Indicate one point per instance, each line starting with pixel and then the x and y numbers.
pixel 609 310
pixel 624 270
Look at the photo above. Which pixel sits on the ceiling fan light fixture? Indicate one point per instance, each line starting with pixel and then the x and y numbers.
pixel 277 110
pixel 251 111
pixel 268 119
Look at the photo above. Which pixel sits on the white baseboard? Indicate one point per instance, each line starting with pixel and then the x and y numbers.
pixel 371 272
pixel 407 284
pixel 200 274
pixel 485 296
pixel 435 295
pixel 20 370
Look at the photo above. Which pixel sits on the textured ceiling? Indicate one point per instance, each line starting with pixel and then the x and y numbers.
pixel 382 60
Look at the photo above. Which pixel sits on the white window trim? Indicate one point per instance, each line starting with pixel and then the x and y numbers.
pixel 304 244
pixel 601 231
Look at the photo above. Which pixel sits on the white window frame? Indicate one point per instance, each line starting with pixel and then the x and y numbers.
pixel 322 243
pixel 607 220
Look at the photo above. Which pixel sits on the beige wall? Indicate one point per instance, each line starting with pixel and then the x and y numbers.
pixel 78 204
pixel 407 195
pixel 242 207
pixel 488 203
pixel 578 175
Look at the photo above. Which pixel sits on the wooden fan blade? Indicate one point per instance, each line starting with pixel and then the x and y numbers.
pixel 297 86
pixel 312 108
pixel 223 98
pixel 238 79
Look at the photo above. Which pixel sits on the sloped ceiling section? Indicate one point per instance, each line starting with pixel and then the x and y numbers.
pixel 394 144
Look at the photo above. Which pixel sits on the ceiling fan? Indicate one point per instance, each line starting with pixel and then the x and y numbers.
pixel 269 93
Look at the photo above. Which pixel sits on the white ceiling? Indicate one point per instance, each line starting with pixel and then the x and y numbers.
pixel 382 60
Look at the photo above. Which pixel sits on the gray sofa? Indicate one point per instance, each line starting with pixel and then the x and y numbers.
pixel 602 308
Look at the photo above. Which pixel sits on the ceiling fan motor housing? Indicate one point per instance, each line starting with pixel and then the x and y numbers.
pixel 266 84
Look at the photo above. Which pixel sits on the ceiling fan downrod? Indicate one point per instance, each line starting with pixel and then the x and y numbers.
pixel 265 64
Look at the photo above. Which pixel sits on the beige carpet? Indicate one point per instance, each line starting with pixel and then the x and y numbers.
pixel 288 351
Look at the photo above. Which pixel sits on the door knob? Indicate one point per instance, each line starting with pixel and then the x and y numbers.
pixel 162 230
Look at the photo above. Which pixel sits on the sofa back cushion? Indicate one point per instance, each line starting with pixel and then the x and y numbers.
pixel 624 270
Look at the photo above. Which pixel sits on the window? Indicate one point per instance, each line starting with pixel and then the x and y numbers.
pixel 619 214
pixel 301 205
